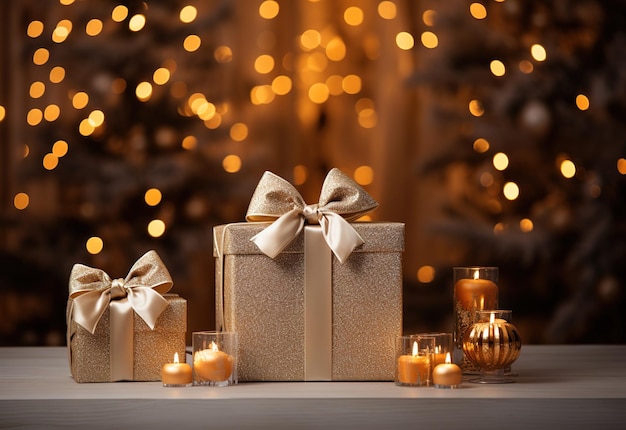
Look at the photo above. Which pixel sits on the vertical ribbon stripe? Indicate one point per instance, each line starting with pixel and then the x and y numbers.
pixel 318 312
pixel 122 340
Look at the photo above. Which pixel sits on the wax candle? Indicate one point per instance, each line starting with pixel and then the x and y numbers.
pixel 413 369
pixel 475 294
pixel 212 364
pixel 176 374
pixel 447 375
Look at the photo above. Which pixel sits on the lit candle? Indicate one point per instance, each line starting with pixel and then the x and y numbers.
pixel 447 375
pixel 413 369
pixel 476 294
pixel 212 364
pixel 176 374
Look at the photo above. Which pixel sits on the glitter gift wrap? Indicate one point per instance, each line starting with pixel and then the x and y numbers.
pixel 121 331
pixel 264 300
pixel 152 348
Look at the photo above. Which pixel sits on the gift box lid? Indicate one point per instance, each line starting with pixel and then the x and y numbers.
pixel 378 237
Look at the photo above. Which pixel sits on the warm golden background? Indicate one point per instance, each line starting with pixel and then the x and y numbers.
pixel 494 129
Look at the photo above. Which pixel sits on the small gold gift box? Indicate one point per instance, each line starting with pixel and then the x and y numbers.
pixel 124 329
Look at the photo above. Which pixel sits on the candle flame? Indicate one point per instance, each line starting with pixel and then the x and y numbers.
pixel 176 357
pixel 214 346
pixel 492 317
pixel 414 349
pixel 448 359
pixel 476 274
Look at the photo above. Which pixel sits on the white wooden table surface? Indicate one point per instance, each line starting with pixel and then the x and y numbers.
pixel 558 386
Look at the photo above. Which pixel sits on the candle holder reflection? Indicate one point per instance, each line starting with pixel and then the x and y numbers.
pixel 215 358
pixel 492 343
pixel 443 346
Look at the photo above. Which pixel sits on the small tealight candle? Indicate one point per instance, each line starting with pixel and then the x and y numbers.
pixel 413 369
pixel 212 365
pixel 176 374
pixel 447 375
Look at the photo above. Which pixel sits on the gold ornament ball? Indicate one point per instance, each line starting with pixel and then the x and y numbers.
pixel 492 346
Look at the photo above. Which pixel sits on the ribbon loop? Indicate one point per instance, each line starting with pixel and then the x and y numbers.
pixel 92 290
pixel 341 200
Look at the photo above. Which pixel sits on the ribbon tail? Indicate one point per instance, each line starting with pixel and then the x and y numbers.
pixel 273 239
pixel 147 303
pixel 341 237
pixel 89 307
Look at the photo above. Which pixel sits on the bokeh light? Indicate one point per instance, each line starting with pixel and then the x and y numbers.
pixel 156 228
pixel 538 52
pixel 94 245
pixel 481 145
pixel 21 201
pixel 136 22
pixel 353 16
pixel 568 168
pixel 387 10
pixel 478 11
pixel 364 175
pixel 231 163
pixel 476 108
pixel 500 161
pixel 511 191
pixel 426 274
pixel 497 68
pixel 269 9
pixel 405 40
pixel 582 102
pixel 188 14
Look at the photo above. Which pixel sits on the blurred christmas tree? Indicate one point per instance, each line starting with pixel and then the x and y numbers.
pixel 141 124
pixel 124 146
pixel 526 105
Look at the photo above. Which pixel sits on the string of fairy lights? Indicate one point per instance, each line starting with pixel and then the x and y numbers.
pixel 317 48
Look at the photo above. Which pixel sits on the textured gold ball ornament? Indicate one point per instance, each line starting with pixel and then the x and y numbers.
pixel 492 344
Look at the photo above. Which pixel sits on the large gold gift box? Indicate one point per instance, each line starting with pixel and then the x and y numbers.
pixel 124 329
pixel 285 333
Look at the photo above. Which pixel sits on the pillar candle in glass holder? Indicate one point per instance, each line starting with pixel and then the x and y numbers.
pixel 414 358
pixel 214 358
pixel 475 288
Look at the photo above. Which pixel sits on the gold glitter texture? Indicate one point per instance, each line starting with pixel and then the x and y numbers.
pixel 89 353
pixel 263 300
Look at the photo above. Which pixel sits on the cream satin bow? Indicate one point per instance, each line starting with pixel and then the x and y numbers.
pixel 341 200
pixel 91 291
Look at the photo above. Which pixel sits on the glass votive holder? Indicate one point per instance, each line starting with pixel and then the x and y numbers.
pixel 215 358
pixel 414 359
pixel 443 345
pixel 475 288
